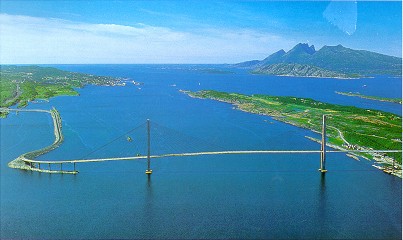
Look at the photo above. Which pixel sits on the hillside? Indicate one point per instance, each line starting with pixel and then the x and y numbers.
pixel 337 59
pixel 300 70
pixel 22 84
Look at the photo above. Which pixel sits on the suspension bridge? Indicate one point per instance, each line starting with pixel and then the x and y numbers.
pixel 27 160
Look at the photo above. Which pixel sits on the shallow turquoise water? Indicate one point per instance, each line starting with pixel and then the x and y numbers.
pixel 239 196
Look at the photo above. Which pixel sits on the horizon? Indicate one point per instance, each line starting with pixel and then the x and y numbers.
pixel 136 32
pixel 316 50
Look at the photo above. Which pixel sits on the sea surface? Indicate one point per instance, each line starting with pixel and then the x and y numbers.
pixel 219 196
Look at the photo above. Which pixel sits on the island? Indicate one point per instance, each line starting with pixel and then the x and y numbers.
pixel 215 71
pixel 328 62
pixel 22 84
pixel 375 98
pixel 348 128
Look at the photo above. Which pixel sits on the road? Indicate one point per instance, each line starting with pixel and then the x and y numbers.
pixel 341 135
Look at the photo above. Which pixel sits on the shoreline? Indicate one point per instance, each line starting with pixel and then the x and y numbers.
pixel 287 75
pixel 374 98
pixel 375 156
pixel 26 160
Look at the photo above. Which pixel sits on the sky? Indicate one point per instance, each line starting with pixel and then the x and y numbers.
pixel 147 32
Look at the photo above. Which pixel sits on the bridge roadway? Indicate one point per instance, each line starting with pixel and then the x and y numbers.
pixel 59 139
pixel 209 153
pixel 23 110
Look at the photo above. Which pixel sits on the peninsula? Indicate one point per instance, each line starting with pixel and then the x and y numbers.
pixel 349 128
pixel 375 98
pixel 22 84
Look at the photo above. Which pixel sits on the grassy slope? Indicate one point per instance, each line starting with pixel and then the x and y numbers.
pixel 361 128
pixel 32 91
pixel 42 83
pixel 7 90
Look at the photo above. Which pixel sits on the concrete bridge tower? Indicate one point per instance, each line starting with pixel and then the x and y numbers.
pixel 322 168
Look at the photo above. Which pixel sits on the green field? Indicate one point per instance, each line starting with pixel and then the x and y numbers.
pixel 7 90
pixel 32 91
pixel 22 84
pixel 347 127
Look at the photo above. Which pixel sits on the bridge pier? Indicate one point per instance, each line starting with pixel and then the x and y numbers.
pixel 322 168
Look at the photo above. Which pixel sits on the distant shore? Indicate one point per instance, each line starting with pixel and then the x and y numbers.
pixel 375 98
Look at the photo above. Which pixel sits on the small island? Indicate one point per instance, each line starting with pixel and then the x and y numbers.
pixel 22 84
pixel 215 71
pixel 375 98
pixel 348 128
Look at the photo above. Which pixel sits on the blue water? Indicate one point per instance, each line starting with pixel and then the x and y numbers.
pixel 238 196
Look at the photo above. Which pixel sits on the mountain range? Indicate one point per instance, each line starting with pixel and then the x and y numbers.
pixel 330 61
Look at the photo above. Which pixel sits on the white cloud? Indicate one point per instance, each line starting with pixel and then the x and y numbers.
pixel 25 39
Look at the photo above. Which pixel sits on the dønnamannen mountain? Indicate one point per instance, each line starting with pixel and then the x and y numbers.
pixel 328 62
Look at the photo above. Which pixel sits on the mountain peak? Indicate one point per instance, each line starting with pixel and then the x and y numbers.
pixel 280 52
pixel 303 48
pixel 336 58
pixel 335 47
pixel 276 54
pixel 275 57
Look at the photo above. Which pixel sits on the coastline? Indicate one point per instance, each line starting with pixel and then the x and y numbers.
pixel 378 158
pixel 374 98
pixel 289 75
pixel 26 160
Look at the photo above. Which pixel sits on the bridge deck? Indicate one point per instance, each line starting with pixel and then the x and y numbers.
pixel 59 139
pixel 209 153
pixel 23 110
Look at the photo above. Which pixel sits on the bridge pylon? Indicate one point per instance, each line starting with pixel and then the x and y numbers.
pixel 322 168
pixel 148 170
